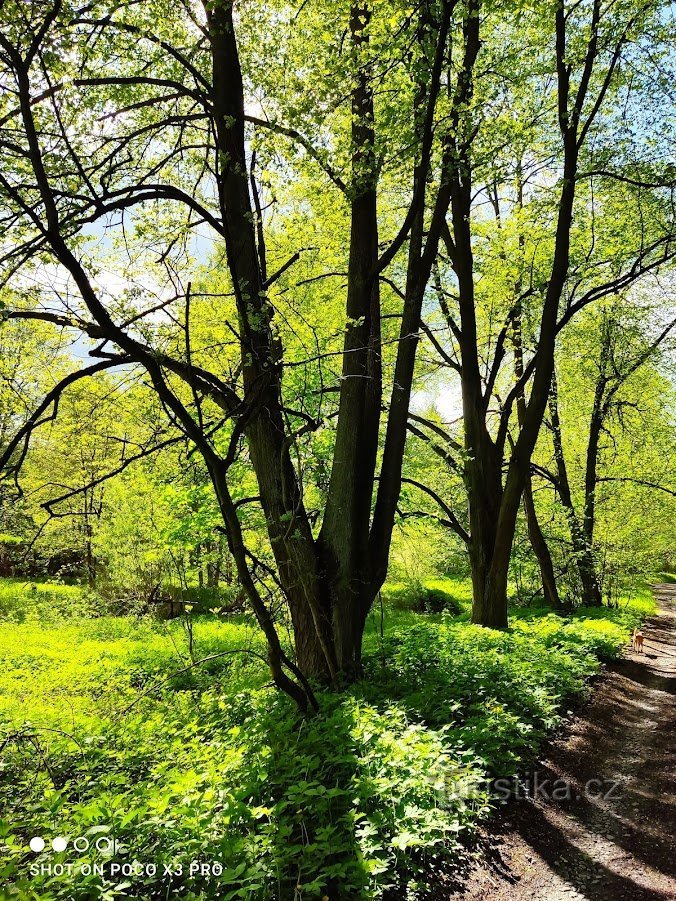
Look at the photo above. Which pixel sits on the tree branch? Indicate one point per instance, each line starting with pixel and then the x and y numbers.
pixel 452 522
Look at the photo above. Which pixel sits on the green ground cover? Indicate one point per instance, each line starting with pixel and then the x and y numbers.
pixel 108 731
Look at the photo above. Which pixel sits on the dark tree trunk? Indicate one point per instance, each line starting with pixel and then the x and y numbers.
pixel 215 566
pixel 90 561
pixel 492 608
pixel 288 526
pixel 535 535
pixel 483 459
pixel 483 478
pixel 421 257
pixel 200 568
pixel 600 407
pixel 582 550
pixel 354 547
pixel 345 529
pixel 329 584
pixel 540 549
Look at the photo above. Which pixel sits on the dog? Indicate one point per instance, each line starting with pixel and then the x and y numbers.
pixel 637 641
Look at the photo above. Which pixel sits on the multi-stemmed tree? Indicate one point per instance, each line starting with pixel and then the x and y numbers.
pixel 158 140
pixel 133 125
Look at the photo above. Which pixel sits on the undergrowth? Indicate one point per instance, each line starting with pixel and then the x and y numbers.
pixel 109 734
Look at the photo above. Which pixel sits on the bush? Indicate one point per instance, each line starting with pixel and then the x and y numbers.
pixel 418 597
pixel 435 600
pixel 501 692
pixel 349 803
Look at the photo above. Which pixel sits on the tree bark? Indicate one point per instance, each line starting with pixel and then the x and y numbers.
pixel 582 550
pixel 535 535
pixel 540 549
pixel 345 528
pixel 537 539
pixel 600 408
pixel 288 526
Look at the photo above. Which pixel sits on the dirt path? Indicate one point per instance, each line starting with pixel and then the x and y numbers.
pixel 621 847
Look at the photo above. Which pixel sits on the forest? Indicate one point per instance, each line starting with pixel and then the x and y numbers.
pixel 337 431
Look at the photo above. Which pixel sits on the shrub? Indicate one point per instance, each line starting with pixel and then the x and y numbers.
pixel 500 691
pixel 423 598
pixel 350 803
pixel 435 600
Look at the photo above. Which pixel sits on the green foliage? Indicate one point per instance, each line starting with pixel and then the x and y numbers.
pixel 42 601
pixel 500 691
pixel 234 777
pixel 109 728
pixel 609 361
pixel 427 597
pixel 183 764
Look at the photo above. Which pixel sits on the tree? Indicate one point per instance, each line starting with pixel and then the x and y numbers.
pixel 539 260
pixel 166 86
pixel 623 345
pixel 30 354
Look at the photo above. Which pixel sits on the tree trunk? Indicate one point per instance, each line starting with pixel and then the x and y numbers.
pixel 355 548
pixel 540 549
pixel 584 558
pixel 599 412
pixel 483 460
pixel 90 561
pixel 421 257
pixel 489 607
pixel 484 490
pixel 345 528
pixel 200 568
pixel 329 584
pixel 537 539
pixel 289 530
pixel 492 608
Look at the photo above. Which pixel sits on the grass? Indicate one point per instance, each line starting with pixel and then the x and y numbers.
pixel 103 737
pixel 22 599
pixel 65 674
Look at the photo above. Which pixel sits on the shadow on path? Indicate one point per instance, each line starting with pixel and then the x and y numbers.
pixel 612 837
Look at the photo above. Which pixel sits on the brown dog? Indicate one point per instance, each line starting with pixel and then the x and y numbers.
pixel 637 641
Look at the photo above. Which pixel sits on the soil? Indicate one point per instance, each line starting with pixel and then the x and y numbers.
pixel 614 838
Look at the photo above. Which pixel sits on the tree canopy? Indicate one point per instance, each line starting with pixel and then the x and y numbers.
pixel 270 233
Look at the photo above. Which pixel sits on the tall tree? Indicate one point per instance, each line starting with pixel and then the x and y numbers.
pixel 175 92
pixel 549 260
pixel 622 347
